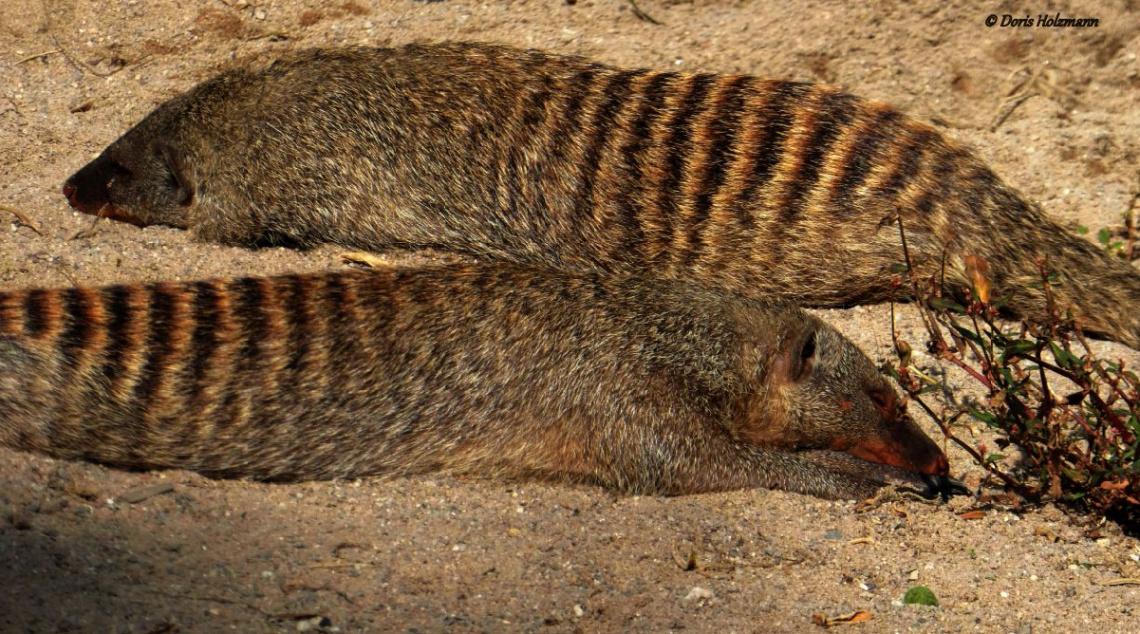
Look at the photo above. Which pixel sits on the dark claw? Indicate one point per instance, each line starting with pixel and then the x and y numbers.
pixel 943 486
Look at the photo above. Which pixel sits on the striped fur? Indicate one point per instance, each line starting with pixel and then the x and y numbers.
pixel 491 370
pixel 764 187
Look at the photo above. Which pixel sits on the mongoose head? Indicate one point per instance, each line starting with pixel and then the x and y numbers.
pixel 822 392
pixel 148 176
pixel 139 179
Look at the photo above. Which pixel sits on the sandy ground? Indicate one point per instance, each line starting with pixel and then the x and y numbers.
pixel 84 548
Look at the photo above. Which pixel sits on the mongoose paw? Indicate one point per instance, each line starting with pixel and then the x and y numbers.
pixel 941 486
pixel 944 487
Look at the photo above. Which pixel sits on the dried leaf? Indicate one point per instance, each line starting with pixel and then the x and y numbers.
pixel 687 564
pixel 23 218
pixel 1123 581
pixel 977 270
pixel 975 514
pixel 842 619
pixel 1046 532
pixel 134 496
pixel 364 259
pixel 1118 485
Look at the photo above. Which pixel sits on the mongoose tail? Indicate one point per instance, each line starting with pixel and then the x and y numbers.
pixel 1014 239
pixel 645 387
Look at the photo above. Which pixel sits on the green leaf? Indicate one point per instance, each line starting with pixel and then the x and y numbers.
pixel 1018 349
pixel 985 417
pixel 1083 230
pixel 1065 358
pixel 994 457
pixel 969 334
pixel 920 595
pixel 1002 301
pixel 1021 347
pixel 945 303
pixel 1103 236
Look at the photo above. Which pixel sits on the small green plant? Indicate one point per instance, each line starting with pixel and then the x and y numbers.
pixel 1073 418
pixel 920 595
pixel 1107 240
pixel 1120 241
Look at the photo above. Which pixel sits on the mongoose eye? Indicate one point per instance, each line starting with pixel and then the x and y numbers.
pixel 179 178
pixel 172 181
pixel 120 173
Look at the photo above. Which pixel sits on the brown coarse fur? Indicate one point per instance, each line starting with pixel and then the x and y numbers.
pixel 641 386
pixel 769 188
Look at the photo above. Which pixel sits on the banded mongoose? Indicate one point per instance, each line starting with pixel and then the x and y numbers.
pixel 775 189
pixel 641 386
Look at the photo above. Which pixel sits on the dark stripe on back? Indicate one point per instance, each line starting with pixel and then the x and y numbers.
pixel 679 144
pixel 577 89
pixel 910 162
pixel 724 131
pixel 160 330
pixel 37 319
pixel 296 304
pixel 835 112
pixel 681 133
pixel 248 312
pixel 650 106
pixel 976 187
pixel 779 113
pixel 514 128
pixel 340 331
pixel 534 112
pixel 204 340
pixel 943 184
pixel 246 299
pixel 78 332
pixel 615 97
pixel 864 155
pixel 117 306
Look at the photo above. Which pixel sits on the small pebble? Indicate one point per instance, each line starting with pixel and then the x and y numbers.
pixel 698 593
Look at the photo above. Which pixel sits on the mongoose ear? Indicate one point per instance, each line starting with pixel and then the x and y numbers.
pixel 181 174
pixel 797 359
pixel 806 355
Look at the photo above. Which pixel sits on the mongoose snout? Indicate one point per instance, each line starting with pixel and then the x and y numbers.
pixel 101 187
pixel 905 455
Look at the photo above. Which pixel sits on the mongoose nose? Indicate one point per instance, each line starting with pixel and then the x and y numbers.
pixel 69 193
